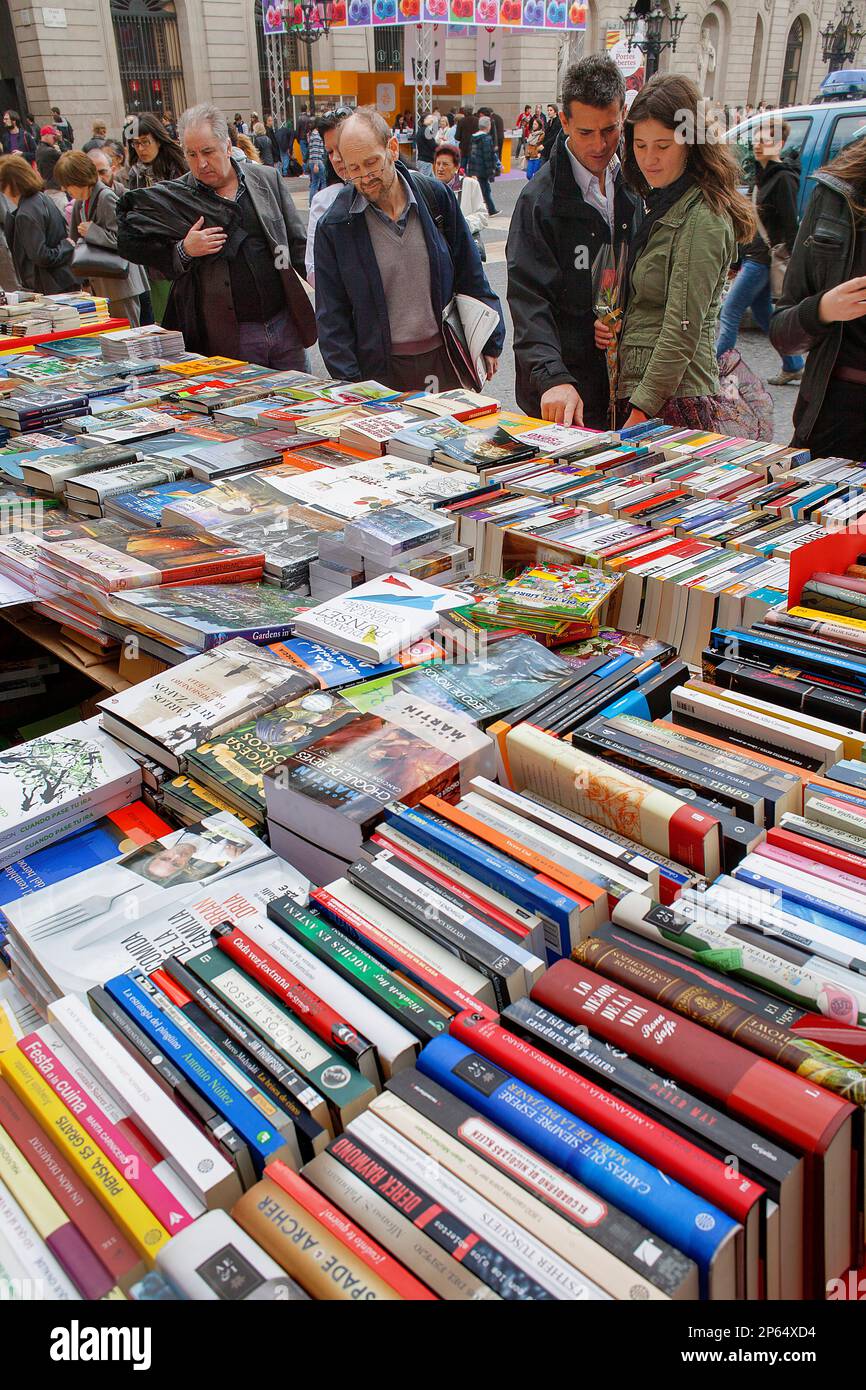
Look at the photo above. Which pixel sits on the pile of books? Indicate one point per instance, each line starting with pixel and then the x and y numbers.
pixel 466 863
pixel 26 315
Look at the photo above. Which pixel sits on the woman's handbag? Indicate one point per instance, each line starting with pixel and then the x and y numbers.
pixel 779 254
pixel 97 262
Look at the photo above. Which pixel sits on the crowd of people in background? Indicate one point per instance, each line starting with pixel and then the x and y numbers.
pixel 224 257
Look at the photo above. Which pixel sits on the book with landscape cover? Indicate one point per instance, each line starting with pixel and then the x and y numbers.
pixel 204 615
pixel 477 449
pixel 146 505
pixel 48 472
pixel 166 716
pixel 235 763
pixel 338 787
pixel 97 486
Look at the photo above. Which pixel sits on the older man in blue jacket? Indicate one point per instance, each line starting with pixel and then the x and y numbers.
pixel 391 252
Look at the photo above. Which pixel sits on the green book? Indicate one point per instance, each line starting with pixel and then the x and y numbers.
pixel 360 968
pixel 345 1089
pixel 234 764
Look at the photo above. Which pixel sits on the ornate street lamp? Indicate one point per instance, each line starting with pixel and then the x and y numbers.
pixel 655 40
pixel 311 21
pixel 841 39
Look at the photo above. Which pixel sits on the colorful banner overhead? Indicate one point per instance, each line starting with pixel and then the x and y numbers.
pixel 357 14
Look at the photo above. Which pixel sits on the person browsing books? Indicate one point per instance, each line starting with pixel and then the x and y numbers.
pixel 678 259
pixel 236 268
pixel 575 204
pixel 822 310
pixel 391 252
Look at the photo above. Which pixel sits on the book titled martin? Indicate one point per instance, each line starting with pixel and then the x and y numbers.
pixel 338 787
pixel 379 618
pixel 166 716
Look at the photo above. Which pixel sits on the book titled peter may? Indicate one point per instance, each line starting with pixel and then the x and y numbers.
pixel 172 712
pixel 338 787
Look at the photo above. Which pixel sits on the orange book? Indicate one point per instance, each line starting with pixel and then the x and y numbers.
pixel 551 873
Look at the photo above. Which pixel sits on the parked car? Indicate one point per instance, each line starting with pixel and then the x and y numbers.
pixel 846 84
pixel 818 133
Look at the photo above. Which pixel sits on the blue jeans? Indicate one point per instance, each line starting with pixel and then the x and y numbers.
pixel 751 289
pixel 273 344
pixel 532 167
pixel 487 195
pixel 317 181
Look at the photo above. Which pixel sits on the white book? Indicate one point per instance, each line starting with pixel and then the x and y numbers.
pixel 517 1244
pixel 771 728
pixel 192 1156
pixel 555 440
pixel 215 1259
pixel 94 925
pixel 56 775
pixel 380 617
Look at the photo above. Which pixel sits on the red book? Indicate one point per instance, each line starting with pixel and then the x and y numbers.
pixel 77 1202
pixel 804 1117
pixel 362 1246
pixel 610 552
pixel 673 1154
pixel 318 1016
pixel 828 855
pixel 474 901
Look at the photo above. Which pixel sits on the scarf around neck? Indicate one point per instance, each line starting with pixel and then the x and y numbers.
pixel 658 201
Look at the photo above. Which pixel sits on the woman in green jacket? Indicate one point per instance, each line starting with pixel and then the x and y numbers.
pixel 678 259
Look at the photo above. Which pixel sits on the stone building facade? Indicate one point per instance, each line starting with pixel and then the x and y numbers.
pixel 100 59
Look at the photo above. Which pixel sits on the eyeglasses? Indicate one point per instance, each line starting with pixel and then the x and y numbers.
pixel 356 173
pixel 142 140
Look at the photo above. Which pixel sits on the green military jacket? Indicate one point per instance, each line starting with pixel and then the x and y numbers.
pixel 671 321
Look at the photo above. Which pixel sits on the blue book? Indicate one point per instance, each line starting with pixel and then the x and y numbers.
pixel 331 668
pixel 810 789
pixel 265 1144
pixel 664 1206
pixel 838 915
pixel 559 909
pixel 810 916
pixel 148 504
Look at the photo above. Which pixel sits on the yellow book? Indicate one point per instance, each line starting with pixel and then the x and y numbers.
pixel 126 1208
pixel 203 366
pixel 815 615
pixel 8 1035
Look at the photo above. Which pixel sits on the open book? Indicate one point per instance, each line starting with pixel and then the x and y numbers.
pixel 467 324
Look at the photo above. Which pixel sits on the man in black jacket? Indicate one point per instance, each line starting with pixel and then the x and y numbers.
pixel 235 267
pixel 575 205
pixel 390 252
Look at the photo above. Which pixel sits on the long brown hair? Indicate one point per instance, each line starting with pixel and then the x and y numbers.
pixel 850 165
pixel 169 163
pixel 673 101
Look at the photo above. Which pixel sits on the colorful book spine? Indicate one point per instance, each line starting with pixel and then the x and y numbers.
pixel 135 1219
pixel 127 1155
pixel 263 1142
pixel 694 1225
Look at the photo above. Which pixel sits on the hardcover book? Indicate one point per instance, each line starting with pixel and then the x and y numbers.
pixel 338 787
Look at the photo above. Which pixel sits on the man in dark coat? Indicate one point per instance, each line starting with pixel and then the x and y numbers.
pixel 236 266
pixel 391 251
pixel 575 205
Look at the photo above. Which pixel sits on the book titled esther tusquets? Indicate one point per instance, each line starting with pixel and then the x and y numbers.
pixel 379 618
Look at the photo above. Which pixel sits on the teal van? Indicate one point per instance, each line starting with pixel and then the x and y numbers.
pixel 817 134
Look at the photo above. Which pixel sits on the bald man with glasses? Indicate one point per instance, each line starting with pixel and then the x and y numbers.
pixel 390 253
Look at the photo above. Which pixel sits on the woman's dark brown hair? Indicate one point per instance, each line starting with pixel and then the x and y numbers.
pixel 673 101
pixel 169 162
pixel 850 165
pixel 19 176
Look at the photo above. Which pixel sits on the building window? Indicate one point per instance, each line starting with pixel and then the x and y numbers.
pixel 791 70
pixel 389 49
pixel 292 58
pixel 148 50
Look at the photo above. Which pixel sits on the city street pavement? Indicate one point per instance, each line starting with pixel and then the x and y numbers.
pixel 753 345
